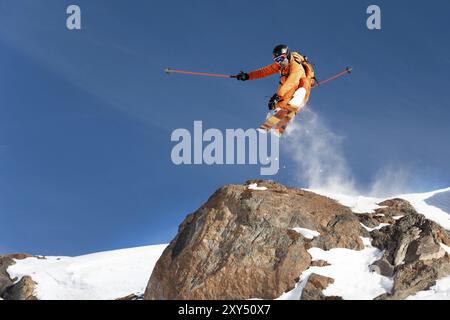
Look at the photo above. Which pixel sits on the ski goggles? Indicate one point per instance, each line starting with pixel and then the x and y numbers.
pixel 280 58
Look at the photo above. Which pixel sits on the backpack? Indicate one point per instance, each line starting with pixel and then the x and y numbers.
pixel 309 70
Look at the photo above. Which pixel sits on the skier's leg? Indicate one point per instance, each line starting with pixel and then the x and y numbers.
pixel 299 99
pixel 301 95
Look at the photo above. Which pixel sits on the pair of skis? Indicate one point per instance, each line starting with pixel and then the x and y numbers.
pixel 279 120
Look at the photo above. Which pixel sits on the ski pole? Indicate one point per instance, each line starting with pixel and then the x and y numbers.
pixel 347 70
pixel 169 70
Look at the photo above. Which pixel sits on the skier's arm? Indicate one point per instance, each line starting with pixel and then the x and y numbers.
pixel 292 81
pixel 264 72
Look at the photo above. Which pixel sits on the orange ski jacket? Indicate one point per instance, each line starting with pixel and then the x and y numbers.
pixel 292 77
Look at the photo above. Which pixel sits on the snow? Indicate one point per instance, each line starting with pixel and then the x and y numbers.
pixel 103 276
pixel 440 291
pixel 418 201
pixel 349 268
pixel 254 186
pixel 381 225
pixel 307 233
pixel 358 204
pixel 350 271
pixel 440 200
pixel 446 248
pixel 362 204
pixel 115 274
pixel 427 195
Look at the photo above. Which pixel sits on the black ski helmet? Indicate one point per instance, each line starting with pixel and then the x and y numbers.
pixel 281 49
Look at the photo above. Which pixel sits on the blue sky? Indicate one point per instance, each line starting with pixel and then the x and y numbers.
pixel 86 116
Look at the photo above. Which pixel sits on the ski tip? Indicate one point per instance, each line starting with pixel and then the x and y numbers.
pixel 349 69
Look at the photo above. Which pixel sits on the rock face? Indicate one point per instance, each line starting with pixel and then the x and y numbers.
pixel 391 210
pixel 240 245
pixel 5 281
pixel 22 290
pixel 412 238
pixel 319 263
pixel 382 267
pixel 245 243
pixel 131 297
pixel 413 251
pixel 314 287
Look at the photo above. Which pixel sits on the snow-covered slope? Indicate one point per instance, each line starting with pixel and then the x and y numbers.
pixel 434 205
pixel 440 200
pixel 349 268
pixel 104 275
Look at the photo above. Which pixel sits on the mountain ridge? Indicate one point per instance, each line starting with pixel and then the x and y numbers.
pixel 308 246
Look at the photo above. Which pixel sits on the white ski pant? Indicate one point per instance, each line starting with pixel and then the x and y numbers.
pixel 298 100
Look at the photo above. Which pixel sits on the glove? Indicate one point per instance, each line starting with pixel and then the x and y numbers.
pixel 274 101
pixel 242 76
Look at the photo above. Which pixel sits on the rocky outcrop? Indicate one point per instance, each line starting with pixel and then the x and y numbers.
pixel 382 267
pixel 314 287
pixel 414 277
pixel 245 243
pixel 391 210
pixel 22 290
pixel 9 290
pixel 410 239
pixel 5 280
pixel 131 297
pixel 413 254
pixel 319 263
pixel 240 243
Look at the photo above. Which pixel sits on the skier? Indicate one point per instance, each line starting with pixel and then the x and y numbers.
pixel 296 81
pixel 296 78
